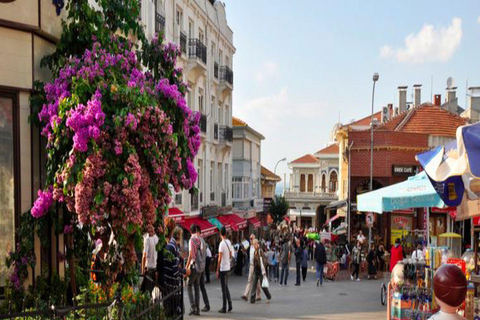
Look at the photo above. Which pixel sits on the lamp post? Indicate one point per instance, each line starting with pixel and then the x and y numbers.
pixel 275 172
pixel 375 79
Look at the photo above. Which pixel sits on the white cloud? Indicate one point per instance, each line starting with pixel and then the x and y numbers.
pixel 430 44
pixel 478 20
pixel 268 70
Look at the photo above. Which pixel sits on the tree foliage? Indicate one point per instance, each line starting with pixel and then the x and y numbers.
pixel 278 208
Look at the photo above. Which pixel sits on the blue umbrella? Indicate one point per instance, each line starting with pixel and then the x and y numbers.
pixel 455 167
pixel 416 192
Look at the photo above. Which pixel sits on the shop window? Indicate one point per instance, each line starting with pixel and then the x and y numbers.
pixel 333 181
pixel 8 178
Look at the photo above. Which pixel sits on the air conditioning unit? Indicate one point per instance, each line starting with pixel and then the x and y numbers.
pixel 385 115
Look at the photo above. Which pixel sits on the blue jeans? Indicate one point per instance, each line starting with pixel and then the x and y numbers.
pixel 284 275
pixel 319 272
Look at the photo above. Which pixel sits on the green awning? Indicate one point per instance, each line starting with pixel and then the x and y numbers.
pixel 215 222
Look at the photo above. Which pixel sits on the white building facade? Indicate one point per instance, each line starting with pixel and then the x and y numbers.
pixel 200 29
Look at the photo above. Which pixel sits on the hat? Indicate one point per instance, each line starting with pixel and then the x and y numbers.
pixel 450 285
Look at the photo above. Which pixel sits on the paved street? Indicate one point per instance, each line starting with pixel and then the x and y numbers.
pixel 335 300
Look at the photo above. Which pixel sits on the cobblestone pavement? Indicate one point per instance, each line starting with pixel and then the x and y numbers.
pixel 335 300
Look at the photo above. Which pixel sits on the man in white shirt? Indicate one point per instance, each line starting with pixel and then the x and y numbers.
pixel 225 253
pixel 250 273
pixel 417 255
pixel 149 260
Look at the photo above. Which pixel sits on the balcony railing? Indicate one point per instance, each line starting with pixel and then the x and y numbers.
pixel 215 70
pixel 224 199
pixel 197 49
pixel 159 22
pixel 203 123
pixel 215 131
pixel 311 195
pixel 226 74
pixel 183 42
pixel 212 196
pixel 226 134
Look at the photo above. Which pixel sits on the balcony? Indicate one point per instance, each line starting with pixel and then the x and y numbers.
pixel 197 55
pixel 226 79
pixel 215 131
pixel 215 70
pixel 311 196
pixel 183 42
pixel 203 123
pixel 159 23
pixel 226 134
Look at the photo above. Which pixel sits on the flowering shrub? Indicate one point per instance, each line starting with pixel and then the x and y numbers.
pixel 117 137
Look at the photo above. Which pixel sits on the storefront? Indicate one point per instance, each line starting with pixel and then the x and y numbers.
pixel 177 214
pixel 235 225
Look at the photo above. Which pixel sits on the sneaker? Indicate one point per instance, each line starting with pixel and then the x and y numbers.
pixel 230 309
pixel 268 300
pixel 244 298
pixel 358 280
pixel 222 311
pixel 318 282
pixel 351 277
pixel 206 309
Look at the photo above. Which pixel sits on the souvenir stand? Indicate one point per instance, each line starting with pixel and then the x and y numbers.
pixel 410 290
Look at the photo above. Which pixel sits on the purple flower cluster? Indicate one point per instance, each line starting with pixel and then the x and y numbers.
pixel 86 121
pixel 43 203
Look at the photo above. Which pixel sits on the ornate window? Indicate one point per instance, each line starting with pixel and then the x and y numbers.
pixel 302 183
pixel 333 181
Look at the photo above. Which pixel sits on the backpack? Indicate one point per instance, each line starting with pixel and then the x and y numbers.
pixel 201 256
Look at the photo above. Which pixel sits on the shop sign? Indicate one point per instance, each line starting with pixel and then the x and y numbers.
pixel 402 170
pixel 459 263
pixel 326 236
pixel 266 204
pixel 209 212
pixel 476 221
pixel 401 222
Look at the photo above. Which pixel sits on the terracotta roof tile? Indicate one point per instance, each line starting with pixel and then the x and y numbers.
pixel 308 158
pixel 269 174
pixel 331 149
pixel 236 122
pixel 366 121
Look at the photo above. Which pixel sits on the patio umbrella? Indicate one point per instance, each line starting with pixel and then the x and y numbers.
pixel 416 192
pixel 455 167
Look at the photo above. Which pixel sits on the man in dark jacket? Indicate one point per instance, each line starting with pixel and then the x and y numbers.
pixel 298 259
pixel 320 261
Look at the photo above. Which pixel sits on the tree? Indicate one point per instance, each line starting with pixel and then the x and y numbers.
pixel 278 209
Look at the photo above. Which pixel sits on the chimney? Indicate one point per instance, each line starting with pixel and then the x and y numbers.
pixel 417 98
pixel 402 99
pixel 473 109
pixel 452 101
pixel 390 110
pixel 438 100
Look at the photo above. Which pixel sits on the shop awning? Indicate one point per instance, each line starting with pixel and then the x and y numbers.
pixel 207 229
pixel 232 221
pixel 336 204
pixel 302 213
pixel 254 222
pixel 339 215
pixel 215 222
pixel 176 214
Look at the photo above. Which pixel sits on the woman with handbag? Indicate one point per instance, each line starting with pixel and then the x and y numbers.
pixel 259 273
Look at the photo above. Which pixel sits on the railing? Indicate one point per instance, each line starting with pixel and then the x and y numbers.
pixel 203 123
pixel 194 202
pixel 226 134
pixel 224 199
pixel 226 74
pixel 197 49
pixel 215 70
pixel 212 196
pixel 159 22
pixel 215 131
pixel 170 307
pixel 183 42
pixel 311 195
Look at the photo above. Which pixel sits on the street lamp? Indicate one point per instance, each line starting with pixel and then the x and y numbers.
pixel 275 173
pixel 375 79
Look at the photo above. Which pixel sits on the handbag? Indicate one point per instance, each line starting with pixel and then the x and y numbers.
pixel 264 274
pixel 265 282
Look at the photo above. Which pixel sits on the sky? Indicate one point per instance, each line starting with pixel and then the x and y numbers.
pixel 301 66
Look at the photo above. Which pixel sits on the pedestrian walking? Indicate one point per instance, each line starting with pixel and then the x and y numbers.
pixel 320 261
pixel 193 283
pixel 240 260
pixel 201 266
pixel 225 255
pixel 276 262
pixel 260 273
pixel 371 258
pixel 298 260
pixel 249 287
pixel 208 261
pixel 305 257
pixel 270 257
pixel 285 259
pixel 149 260
pixel 356 260
pixel 381 258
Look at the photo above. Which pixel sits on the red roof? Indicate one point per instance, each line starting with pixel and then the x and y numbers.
pixel 255 223
pixel 366 121
pixel 207 229
pixel 176 214
pixel 232 221
pixel 331 149
pixel 308 158
pixel 236 122
pixel 426 119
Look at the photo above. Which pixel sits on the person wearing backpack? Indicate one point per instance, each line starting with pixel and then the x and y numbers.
pixel 201 265
pixel 225 254
pixel 193 274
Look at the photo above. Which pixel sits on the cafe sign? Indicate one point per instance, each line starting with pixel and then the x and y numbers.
pixel 402 170
pixel 209 212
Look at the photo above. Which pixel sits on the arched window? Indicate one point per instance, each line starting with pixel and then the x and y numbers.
pixel 310 183
pixel 302 183
pixel 324 183
pixel 333 181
